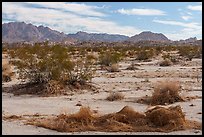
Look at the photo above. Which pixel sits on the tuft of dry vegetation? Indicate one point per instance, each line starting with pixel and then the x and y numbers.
pixel 113 68
pixel 7 72
pixel 165 92
pixel 158 119
pixel 166 62
pixel 173 116
pixel 115 96
pixel 132 66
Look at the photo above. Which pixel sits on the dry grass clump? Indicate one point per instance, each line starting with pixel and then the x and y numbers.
pixel 159 119
pixel 172 116
pixel 113 68
pixel 6 71
pixel 115 96
pixel 12 117
pixel 132 117
pixel 166 62
pixel 166 92
pixel 80 121
pixel 132 66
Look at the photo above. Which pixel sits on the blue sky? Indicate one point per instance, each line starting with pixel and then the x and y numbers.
pixel 176 20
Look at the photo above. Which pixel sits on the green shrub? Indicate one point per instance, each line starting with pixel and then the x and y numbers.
pixel 55 64
pixel 108 58
pixel 81 73
pixel 173 59
pixel 145 55
pixel 190 52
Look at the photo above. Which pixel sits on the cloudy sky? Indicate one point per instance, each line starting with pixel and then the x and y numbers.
pixel 176 20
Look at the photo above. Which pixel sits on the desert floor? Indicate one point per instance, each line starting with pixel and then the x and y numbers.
pixel 132 83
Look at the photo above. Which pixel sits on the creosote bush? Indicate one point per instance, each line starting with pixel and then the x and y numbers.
pixel 40 66
pixel 107 59
pixel 145 55
pixel 43 64
pixel 81 74
pixel 190 52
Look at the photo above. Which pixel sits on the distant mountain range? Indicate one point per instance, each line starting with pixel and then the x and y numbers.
pixel 84 36
pixel 149 36
pixel 21 32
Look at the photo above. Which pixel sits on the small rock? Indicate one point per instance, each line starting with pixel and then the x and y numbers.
pixel 78 104
pixel 197 131
pixel 95 111
pixel 191 105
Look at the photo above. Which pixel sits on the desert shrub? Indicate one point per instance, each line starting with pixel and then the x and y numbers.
pixel 165 62
pixel 82 52
pixel 108 58
pixel 115 96
pixel 113 68
pixel 54 64
pixel 190 52
pixel 91 57
pixel 130 53
pixel 173 59
pixel 166 92
pixel 166 56
pixel 54 88
pixel 158 49
pixel 11 53
pixel 7 73
pixel 40 66
pixel 145 55
pixel 132 66
pixel 81 74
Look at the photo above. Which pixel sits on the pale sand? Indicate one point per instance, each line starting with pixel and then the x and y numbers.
pixel 124 81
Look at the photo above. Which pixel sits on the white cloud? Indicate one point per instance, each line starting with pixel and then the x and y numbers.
pixel 186 18
pixel 188 30
pixel 62 20
pixel 197 7
pixel 146 12
pixel 189 13
pixel 80 9
pixel 185 34
pixel 193 25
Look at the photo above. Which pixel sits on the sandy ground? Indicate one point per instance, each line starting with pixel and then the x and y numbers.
pixel 133 84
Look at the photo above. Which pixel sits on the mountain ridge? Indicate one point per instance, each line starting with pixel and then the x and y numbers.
pixel 21 32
